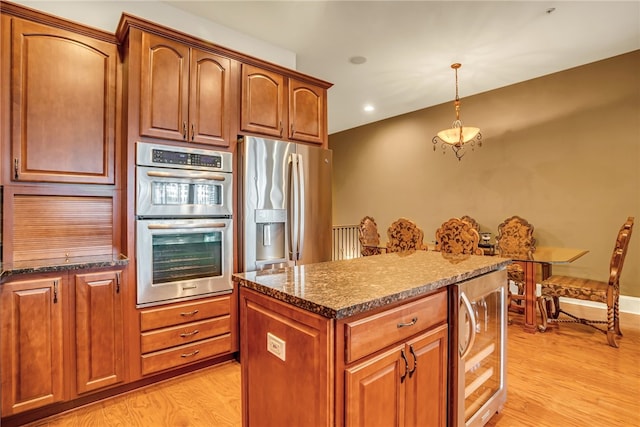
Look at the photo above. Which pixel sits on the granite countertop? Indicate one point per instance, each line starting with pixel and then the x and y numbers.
pixel 339 289
pixel 62 264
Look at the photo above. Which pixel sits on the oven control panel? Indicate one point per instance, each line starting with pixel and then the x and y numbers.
pixel 187 159
pixel 148 154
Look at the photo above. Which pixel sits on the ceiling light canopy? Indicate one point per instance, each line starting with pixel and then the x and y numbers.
pixel 457 136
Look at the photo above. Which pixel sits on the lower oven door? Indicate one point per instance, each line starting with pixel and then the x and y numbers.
pixel 183 259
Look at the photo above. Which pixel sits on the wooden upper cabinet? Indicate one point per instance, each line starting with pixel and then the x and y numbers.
pixel 263 102
pixel 63 107
pixel 31 344
pixel 185 92
pixel 282 107
pixel 307 112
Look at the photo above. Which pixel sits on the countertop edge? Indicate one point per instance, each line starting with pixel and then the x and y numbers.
pixel 6 273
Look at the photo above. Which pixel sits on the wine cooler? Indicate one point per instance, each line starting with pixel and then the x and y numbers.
pixel 481 370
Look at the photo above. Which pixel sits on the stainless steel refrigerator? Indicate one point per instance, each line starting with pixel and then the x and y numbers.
pixel 285 195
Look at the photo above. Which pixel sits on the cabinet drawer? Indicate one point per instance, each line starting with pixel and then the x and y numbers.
pixel 184 334
pixel 373 333
pixel 188 353
pixel 161 317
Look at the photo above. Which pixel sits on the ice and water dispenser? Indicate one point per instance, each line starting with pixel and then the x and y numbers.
pixel 270 235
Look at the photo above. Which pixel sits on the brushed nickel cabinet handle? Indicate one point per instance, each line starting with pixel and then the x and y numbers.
pixel 117 282
pixel 16 163
pixel 188 334
pixel 413 322
pixel 193 353
pixel 184 130
pixel 190 313
pixel 193 131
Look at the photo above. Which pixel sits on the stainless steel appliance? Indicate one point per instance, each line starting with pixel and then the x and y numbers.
pixel 285 196
pixel 481 367
pixel 184 226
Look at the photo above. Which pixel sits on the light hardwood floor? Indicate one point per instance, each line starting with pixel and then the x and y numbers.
pixel 567 376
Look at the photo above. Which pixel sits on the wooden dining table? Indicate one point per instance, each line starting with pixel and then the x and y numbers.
pixel 546 257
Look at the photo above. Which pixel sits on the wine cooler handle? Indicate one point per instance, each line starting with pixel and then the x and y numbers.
pixel 472 327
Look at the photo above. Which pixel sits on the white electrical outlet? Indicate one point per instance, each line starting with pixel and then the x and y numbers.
pixel 276 346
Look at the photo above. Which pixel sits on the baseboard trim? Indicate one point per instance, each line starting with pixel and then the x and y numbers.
pixel 627 304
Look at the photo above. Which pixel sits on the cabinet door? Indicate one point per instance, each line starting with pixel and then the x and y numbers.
pixel 32 348
pixel 99 330
pixel 209 98
pixel 63 106
pixel 262 102
pixel 374 391
pixel 307 112
pixel 164 91
pixel 426 387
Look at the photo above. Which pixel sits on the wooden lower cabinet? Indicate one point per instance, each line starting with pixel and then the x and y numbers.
pixel 386 368
pixel 181 334
pixel 99 330
pixel 403 386
pixel 42 340
pixel 32 345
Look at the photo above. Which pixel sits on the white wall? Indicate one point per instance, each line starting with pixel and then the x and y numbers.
pixel 105 15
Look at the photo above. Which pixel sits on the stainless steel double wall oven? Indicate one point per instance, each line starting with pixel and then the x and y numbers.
pixel 184 225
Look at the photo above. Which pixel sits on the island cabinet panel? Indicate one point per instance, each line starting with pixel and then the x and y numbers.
pixel 180 334
pixel 185 92
pixel 99 330
pixel 396 365
pixel 287 372
pixel 63 105
pixel 32 346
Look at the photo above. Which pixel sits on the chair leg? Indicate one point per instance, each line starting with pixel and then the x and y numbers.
pixel 543 305
pixel 556 308
pixel 611 330
pixel 616 318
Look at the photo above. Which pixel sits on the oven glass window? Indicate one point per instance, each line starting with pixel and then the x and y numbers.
pixel 180 193
pixel 185 256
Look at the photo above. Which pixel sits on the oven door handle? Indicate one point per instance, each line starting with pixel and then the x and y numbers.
pixel 184 226
pixel 190 175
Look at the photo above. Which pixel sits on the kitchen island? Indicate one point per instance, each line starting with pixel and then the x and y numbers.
pixel 353 342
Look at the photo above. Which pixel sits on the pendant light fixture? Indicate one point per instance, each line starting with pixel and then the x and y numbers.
pixel 458 137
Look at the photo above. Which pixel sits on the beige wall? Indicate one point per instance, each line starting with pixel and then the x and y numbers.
pixel 562 151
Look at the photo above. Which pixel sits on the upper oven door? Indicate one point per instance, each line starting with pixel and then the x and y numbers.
pixel 165 192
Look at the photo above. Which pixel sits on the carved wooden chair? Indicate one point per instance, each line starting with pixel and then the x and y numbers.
pixel 608 292
pixel 515 240
pixel 472 222
pixel 404 235
pixel 456 236
pixel 369 237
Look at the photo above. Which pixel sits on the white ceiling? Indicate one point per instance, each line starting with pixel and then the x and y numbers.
pixel 410 45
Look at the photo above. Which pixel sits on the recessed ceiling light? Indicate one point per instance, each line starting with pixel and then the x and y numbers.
pixel 368 108
pixel 357 60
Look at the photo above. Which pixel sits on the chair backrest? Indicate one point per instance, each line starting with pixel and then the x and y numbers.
pixel 515 238
pixel 471 221
pixel 405 235
pixel 456 236
pixel 369 236
pixel 620 251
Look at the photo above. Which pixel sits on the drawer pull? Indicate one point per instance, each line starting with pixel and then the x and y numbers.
pixel 193 353
pixel 189 334
pixel 189 313
pixel 413 322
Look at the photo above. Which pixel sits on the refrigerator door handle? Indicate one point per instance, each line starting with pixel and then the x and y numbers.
pixel 295 183
pixel 301 206
pixel 472 327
